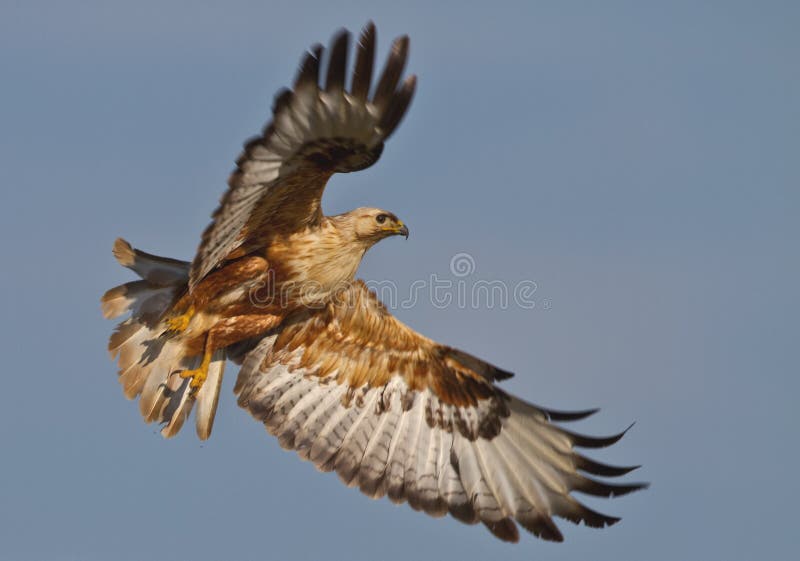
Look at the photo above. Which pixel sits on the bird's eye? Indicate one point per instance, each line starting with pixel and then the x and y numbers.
pixel 381 218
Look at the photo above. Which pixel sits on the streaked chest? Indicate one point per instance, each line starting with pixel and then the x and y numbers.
pixel 317 260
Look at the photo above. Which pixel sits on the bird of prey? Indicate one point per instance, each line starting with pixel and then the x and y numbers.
pixel 324 365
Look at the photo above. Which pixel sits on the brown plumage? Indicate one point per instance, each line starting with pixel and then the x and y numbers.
pixel 325 366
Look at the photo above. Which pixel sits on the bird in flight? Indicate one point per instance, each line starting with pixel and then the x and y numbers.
pixel 324 365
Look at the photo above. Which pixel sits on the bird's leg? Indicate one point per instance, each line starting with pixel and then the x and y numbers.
pixel 225 333
pixel 215 284
pixel 199 375
pixel 178 324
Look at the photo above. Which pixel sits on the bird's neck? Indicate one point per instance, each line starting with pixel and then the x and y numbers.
pixel 319 260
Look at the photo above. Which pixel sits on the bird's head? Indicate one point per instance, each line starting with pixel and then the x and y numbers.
pixel 371 225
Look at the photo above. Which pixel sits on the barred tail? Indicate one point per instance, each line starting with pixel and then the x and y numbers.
pixel 150 361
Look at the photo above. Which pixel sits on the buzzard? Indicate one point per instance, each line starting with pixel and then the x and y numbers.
pixel 324 365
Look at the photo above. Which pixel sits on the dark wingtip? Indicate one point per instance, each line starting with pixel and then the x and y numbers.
pixel 337 61
pixel 603 520
pixel 598 468
pixel 504 529
pixel 368 28
pixel 398 106
pixel 583 441
pixel 500 374
pixel 365 59
pixel 556 415
pixel 578 513
pixel 281 100
pixel 308 73
pixel 392 71
pixel 596 488
pixel 540 525
pixel 339 34
pixel 400 45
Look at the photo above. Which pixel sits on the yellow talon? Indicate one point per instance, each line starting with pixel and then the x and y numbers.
pixel 199 375
pixel 181 322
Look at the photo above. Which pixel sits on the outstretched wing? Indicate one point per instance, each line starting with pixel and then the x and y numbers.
pixel 316 131
pixel 354 390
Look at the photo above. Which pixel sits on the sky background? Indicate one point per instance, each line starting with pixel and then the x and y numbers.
pixel 637 160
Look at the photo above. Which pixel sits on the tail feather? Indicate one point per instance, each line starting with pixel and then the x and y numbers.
pixel 158 271
pixel 174 404
pixel 176 401
pixel 208 396
pixel 162 382
pixel 150 361
pixel 128 341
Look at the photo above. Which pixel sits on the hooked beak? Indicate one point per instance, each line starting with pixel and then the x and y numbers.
pixel 402 229
pixel 398 229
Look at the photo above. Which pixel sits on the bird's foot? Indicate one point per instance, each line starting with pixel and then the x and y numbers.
pixel 178 324
pixel 198 377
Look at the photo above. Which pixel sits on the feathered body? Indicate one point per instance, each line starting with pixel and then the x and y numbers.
pixel 325 366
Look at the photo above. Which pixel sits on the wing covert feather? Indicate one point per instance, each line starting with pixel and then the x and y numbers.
pixel 316 130
pixel 397 414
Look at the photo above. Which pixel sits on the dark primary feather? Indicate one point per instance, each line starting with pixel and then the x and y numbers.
pixel 306 141
pixel 337 62
pixel 555 415
pixel 397 108
pixel 308 73
pixel 365 58
pixel 391 73
pixel 281 101
pixel 597 468
pixel 583 441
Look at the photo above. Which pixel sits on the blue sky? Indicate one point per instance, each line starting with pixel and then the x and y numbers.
pixel 637 160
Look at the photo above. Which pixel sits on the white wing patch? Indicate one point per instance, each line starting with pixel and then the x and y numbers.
pixel 383 441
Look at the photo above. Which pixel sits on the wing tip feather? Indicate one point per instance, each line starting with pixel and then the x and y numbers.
pixel 503 529
pixel 594 467
pixel 583 441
